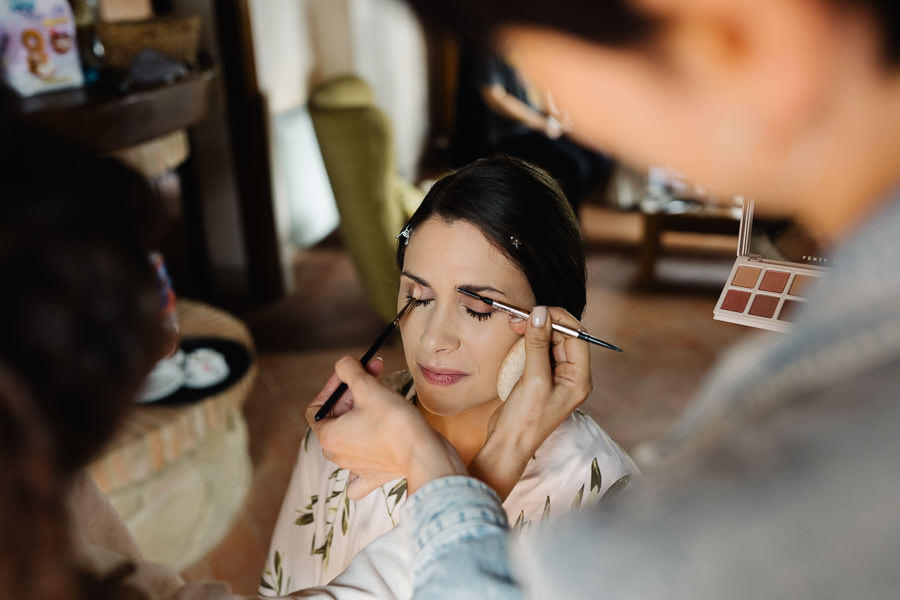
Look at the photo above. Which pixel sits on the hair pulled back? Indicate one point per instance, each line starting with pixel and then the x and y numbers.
pixel 523 212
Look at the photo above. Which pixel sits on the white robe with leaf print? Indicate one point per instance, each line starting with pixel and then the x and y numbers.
pixel 319 529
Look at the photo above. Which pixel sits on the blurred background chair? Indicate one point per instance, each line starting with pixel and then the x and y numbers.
pixel 374 202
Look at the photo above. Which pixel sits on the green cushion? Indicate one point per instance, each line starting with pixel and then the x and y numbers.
pixel 373 201
pixel 348 91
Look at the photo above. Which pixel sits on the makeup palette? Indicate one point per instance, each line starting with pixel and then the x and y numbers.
pixel 779 263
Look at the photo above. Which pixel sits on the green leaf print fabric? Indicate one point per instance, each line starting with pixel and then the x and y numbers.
pixel 319 529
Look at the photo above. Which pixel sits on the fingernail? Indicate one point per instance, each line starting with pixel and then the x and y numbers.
pixel 539 316
pixel 516 319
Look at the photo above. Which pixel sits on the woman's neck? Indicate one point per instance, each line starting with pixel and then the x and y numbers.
pixel 465 431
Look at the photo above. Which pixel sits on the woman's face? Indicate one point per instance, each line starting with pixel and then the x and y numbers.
pixel 454 345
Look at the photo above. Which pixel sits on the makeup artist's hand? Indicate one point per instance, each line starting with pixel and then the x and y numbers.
pixel 543 398
pixel 375 367
pixel 378 434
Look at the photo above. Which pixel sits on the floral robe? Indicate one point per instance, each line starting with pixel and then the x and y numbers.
pixel 319 529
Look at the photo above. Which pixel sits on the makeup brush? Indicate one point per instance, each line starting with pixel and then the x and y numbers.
pixel 336 394
pixel 518 312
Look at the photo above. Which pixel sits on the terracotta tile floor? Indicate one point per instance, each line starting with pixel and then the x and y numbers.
pixel 667 332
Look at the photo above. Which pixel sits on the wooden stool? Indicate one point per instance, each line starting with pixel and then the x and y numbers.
pixel 178 474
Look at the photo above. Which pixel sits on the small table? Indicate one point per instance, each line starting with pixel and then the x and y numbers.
pixel 696 218
pixel 178 474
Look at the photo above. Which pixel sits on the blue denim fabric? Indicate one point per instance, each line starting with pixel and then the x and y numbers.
pixel 458 530
pixel 850 326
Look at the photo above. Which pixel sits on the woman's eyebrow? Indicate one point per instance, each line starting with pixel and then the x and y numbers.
pixel 478 288
pixel 416 278
pixel 472 287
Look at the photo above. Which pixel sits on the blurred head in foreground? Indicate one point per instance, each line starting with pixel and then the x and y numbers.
pixel 79 329
pixel 794 102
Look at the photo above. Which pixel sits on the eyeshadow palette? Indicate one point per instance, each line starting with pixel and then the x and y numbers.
pixel 764 295
pixel 763 291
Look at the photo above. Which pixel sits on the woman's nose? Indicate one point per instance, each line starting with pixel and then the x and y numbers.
pixel 439 333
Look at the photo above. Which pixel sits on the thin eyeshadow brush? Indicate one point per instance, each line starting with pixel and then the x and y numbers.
pixel 337 393
pixel 518 312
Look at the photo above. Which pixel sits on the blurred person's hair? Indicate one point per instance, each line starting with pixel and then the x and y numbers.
pixel 608 22
pixel 80 327
pixel 522 211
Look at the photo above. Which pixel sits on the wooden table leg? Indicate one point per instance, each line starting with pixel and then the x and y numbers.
pixel 649 249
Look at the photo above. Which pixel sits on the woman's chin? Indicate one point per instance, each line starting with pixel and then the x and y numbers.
pixel 449 403
pixel 441 407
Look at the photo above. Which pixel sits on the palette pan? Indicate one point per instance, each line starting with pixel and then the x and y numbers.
pixel 763 292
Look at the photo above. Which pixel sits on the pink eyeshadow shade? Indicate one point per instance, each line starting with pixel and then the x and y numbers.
pixel 764 306
pixel 774 281
pixel 735 301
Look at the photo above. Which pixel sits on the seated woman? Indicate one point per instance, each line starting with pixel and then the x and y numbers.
pixel 504 228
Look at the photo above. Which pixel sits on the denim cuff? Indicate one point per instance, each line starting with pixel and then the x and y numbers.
pixel 447 511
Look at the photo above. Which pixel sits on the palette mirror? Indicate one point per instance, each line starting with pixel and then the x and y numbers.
pixel 779 263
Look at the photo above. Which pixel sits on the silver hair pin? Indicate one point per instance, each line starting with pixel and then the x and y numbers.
pixel 404 234
pixel 515 241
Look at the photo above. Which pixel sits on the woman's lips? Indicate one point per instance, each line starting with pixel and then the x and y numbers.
pixel 436 376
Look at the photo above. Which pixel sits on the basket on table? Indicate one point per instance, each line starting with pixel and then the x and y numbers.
pixel 176 37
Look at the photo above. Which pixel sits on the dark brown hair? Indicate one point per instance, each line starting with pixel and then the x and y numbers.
pixel 79 330
pixel 610 22
pixel 514 203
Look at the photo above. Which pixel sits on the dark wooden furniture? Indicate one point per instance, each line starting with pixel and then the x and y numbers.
pixel 225 96
pixel 107 121
pixel 248 127
pixel 711 219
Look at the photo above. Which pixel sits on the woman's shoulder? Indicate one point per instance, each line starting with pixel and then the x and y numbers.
pixel 580 444
pixel 580 433
pixel 577 465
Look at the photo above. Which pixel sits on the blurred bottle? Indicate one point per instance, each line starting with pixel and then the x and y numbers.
pixel 90 49
pixel 167 304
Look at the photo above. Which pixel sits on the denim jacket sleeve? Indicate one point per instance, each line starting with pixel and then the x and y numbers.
pixel 459 540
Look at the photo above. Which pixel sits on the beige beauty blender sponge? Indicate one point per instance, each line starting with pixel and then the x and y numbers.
pixel 511 370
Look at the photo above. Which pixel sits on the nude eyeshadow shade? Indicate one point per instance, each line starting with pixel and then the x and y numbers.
pixel 746 277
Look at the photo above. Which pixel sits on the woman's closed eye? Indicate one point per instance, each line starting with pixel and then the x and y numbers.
pixel 477 315
pixel 481 316
pixel 418 301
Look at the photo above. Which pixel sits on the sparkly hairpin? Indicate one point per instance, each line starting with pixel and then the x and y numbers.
pixel 405 235
pixel 515 241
